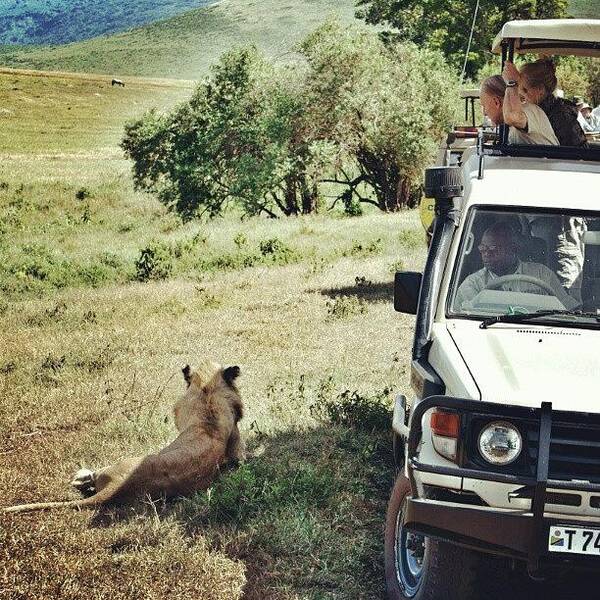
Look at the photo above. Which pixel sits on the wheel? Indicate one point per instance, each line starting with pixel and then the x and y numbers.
pixel 420 568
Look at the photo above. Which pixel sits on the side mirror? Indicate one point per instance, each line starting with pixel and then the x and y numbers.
pixel 407 285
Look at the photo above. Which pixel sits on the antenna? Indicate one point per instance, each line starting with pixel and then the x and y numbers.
pixel 462 75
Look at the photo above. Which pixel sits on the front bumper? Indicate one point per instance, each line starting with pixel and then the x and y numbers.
pixel 520 534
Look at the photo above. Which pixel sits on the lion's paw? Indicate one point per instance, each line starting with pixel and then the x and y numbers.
pixel 84 481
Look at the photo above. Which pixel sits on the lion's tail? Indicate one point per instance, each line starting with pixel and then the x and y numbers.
pixel 99 498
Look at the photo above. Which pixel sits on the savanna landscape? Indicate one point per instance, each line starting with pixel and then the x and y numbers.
pixel 106 294
pixel 91 364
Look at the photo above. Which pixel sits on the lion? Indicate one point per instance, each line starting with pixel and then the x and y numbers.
pixel 207 418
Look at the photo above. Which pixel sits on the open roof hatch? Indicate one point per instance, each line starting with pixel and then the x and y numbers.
pixel 565 37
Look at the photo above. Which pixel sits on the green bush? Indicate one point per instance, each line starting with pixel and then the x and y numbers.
pixel 362 249
pixel 352 206
pixel 352 409
pixel 240 240
pixel 343 307
pixel 275 250
pixel 155 262
pixel 93 274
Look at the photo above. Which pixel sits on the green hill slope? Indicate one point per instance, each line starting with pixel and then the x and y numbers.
pixel 186 45
pixel 585 8
pixel 62 21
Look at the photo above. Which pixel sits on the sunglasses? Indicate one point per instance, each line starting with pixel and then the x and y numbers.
pixel 488 249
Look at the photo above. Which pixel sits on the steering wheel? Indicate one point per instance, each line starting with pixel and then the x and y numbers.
pixel 500 281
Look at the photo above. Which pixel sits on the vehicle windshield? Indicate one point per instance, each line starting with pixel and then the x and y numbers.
pixel 524 261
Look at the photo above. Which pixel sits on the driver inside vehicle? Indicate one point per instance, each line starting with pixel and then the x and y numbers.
pixel 499 254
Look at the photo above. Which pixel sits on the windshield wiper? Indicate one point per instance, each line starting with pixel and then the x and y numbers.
pixel 525 317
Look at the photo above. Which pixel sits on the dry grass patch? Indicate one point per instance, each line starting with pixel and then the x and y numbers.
pixel 90 375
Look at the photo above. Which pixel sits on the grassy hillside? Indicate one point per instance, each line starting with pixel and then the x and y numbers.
pixel 90 364
pixel 62 21
pixel 64 113
pixel 186 45
pixel 585 8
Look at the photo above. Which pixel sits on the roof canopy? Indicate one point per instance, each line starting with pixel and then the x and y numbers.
pixel 580 37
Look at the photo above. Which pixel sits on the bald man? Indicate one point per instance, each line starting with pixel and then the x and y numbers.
pixel 498 249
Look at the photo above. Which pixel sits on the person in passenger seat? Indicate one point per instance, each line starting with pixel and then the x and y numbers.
pixel 564 238
pixel 498 249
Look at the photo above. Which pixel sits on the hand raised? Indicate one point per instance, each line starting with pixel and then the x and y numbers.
pixel 510 72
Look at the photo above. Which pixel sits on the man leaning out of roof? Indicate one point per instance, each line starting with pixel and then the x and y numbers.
pixel 528 123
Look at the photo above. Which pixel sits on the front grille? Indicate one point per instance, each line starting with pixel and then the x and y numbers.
pixel 574 451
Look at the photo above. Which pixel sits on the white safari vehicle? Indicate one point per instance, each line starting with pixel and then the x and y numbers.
pixel 498 450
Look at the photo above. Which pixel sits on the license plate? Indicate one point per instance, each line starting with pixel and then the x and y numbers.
pixel 574 540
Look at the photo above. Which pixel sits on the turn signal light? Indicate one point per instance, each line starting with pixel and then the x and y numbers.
pixel 445 428
pixel 445 423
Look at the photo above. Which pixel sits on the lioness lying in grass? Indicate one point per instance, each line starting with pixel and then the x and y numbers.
pixel 207 418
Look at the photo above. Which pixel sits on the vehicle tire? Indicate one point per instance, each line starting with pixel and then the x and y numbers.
pixel 420 568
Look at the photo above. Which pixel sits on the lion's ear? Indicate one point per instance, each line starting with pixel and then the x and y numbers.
pixel 230 374
pixel 187 374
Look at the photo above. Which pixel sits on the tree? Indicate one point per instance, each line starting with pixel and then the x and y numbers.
pixel 385 108
pixel 446 24
pixel 238 140
pixel 358 112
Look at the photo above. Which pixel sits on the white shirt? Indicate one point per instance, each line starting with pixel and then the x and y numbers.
pixel 539 130
pixel 585 124
pixel 478 281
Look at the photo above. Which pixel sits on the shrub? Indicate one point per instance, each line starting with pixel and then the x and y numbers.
pixel 396 266
pixel 187 245
pixel 240 240
pixel 277 251
pixel 361 249
pixel 411 239
pixel 126 227
pixel 229 262
pixel 54 363
pixel 155 262
pixel 111 260
pixel 352 409
pixel 92 274
pixel 352 206
pixel 83 193
pixel 343 307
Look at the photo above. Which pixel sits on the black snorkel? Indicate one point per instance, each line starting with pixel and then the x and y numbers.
pixel 445 185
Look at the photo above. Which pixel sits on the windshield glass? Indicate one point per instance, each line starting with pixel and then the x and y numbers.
pixel 524 261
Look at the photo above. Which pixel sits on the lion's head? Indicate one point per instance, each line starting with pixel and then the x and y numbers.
pixel 211 396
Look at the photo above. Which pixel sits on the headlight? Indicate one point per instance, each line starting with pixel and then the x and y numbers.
pixel 500 443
